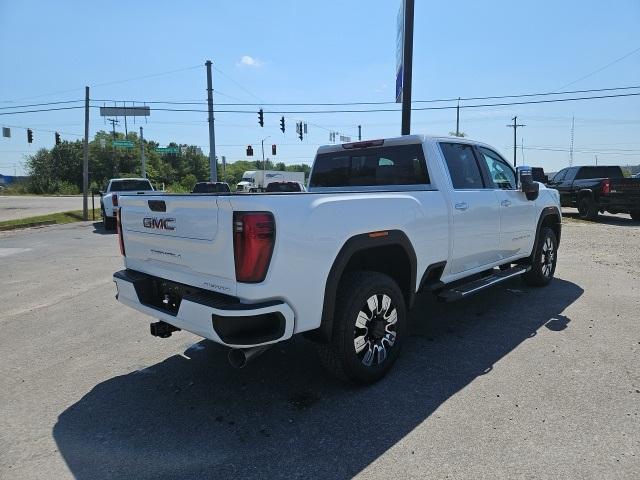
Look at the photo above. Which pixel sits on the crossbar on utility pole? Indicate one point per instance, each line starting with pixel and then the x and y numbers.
pixel 407 67
pixel 85 158
pixel 212 135
pixel 515 126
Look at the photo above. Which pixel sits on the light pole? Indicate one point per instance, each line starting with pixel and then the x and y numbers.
pixel 264 164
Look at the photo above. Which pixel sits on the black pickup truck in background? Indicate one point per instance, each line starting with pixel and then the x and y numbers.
pixel 594 189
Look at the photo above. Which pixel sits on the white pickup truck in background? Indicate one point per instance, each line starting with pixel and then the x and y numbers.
pixel 382 221
pixel 254 181
pixel 116 188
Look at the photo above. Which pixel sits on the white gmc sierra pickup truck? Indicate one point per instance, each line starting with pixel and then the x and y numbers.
pixel 115 189
pixel 382 221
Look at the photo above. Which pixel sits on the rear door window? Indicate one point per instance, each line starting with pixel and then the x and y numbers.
pixel 599 172
pixel 463 166
pixel 379 166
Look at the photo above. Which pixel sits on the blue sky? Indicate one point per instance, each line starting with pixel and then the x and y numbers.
pixel 326 51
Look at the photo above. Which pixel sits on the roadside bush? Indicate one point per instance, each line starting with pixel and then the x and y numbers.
pixel 67 188
pixel 17 188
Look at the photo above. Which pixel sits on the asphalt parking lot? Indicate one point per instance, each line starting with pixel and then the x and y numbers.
pixel 513 383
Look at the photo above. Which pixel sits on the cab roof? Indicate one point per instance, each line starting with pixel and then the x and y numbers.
pixel 402 140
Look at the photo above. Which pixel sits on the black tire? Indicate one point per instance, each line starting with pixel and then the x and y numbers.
pixel 587 208
pixel 109 223
pixel 360 319
pixel 635 215
pixel 543 262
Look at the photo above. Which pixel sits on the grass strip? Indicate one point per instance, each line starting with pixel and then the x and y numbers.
pixel 51 219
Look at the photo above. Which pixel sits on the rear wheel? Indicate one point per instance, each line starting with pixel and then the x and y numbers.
pixel 108 223
pixel 635 215
pixel 543 263
pixel 368 328
pixel 587 208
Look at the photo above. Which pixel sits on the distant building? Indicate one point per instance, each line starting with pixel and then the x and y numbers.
pixel 9 179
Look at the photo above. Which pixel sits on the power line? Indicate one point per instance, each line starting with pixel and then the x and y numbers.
pixel 142 77
pixel 377 110
pixel 564 150
pixel 40 104
pixel 329 104
pixel 168 72
pixel 601 68
pixel 42 130
pixel 41 110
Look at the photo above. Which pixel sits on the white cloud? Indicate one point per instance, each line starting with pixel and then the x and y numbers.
pixel 381 88
pixel 248 61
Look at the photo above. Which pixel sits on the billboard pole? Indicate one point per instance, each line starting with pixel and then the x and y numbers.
pixel 85 158
pixel 212 135
pixel 407 57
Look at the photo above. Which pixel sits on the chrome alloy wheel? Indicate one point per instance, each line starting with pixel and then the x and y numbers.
pixel 548 257
pixel 375 330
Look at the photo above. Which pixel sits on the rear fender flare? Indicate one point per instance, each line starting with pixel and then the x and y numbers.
pixel 356 244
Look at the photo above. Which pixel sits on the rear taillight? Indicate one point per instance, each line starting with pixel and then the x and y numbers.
pixel 119 231
pixel 605 186
pixel 114 199
pixel 253 239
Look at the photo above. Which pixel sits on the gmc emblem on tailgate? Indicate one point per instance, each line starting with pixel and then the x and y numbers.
pixel 159 223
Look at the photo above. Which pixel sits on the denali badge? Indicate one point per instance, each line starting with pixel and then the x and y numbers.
pixel 159 223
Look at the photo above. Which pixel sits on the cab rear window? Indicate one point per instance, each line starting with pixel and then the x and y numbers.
pixel 130 185
pixel 395 165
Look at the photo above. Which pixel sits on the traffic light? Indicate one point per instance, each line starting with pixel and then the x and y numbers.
pixel 29 135
pixel 261 118
pixel 299 129
pixel 273 149
pixel 57 138
pixel 282 124
pixel 249 151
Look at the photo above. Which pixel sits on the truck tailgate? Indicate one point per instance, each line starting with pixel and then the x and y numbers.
pixel 629 186
pixel 186 238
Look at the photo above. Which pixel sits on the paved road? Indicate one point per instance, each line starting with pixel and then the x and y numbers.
pixel 22 206
pixel 513 383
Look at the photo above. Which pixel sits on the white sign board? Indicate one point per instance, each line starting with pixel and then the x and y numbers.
pixel 400 52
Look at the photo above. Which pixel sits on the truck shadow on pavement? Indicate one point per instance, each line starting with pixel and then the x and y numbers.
pixel 98 227
pixel 193 416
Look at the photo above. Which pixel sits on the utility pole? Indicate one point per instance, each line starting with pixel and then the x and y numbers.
pixel 458 118
pixel 264 164
pixel 113 121
pixel 113 147
pixel 212 135
pixel 596 160
pixel 85 158
pixel 143 167
pixel 407 67
pixel 571 149
pixel 359 132
pixel 515 138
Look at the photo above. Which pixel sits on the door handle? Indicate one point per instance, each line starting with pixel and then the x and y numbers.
pixel 505 203
pixel 461 206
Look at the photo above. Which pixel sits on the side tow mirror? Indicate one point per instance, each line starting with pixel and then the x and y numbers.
pixel 526 184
